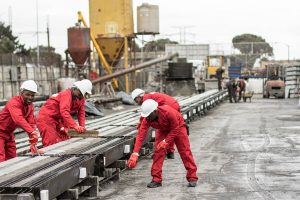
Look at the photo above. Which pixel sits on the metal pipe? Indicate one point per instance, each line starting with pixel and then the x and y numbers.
pixel 126 63
pixel 140 66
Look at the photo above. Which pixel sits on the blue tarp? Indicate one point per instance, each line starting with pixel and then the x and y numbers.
pixel 234 71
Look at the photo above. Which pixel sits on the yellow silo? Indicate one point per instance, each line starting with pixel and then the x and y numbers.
pixel 111 22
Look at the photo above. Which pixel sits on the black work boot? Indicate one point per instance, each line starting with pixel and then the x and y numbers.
pixel 192 184
pixel 154 184
pixel 170 155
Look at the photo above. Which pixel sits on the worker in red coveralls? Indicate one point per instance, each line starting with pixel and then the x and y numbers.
pixel 139 96
pixel 55 117
pixel 170 128
pixel 232 87
pixel 18 112
pixel 242 87
pixel 219 75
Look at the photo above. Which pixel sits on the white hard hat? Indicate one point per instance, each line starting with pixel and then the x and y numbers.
pixel 29 85
pixel 85 86
pixel 148 107
pixel 137 92
pixel 88 85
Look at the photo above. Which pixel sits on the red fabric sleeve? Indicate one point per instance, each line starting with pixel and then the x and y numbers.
pixel 15 110
pixel 64 108
pixel 174 127
pixel 156 97
pixel 81 114
pixel 143 130
pixel 31 118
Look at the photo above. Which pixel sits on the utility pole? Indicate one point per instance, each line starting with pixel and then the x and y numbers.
pixel 10 17
pixel 49 57
pixel 48 41
pixel 37 33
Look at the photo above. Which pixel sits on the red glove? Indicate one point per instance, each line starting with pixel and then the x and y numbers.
pixel 33 137
pixel 162 145
pixel 133 160
pixel 80 129
pixel 34 149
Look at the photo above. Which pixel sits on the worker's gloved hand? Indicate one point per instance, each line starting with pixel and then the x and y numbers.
pixel 133 160
pixel 80 129
pixel 33 137
pixel 34 149
pixel 138 126
pixel 162 145
pixel 64 132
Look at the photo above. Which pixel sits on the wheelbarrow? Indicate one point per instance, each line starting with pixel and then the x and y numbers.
pixel 247 95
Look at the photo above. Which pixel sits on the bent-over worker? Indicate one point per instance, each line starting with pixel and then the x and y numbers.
pixel 55 117
pixel 170 128
pixel 139 96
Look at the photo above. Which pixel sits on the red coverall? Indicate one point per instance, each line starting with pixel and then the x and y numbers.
pixel 162 99
pixel 56 113
pixel 171 127
pixel 15 114
pixel 242 85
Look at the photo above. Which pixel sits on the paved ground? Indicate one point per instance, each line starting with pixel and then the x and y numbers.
pixel 243 151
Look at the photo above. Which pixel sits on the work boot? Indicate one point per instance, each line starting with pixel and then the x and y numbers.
pixel 192 184
pixel 154 184
pixel 170 155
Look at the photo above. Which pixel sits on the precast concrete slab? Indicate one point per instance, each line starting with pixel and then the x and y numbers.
pixel 242 150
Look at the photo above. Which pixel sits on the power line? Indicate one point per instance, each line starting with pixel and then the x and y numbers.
pixel 182 33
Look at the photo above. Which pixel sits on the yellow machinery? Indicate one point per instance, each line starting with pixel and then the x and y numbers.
pixel 111 21
pixel 111 30
pixel 213 63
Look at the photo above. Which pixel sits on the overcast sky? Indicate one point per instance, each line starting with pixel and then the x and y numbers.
pixel 207 21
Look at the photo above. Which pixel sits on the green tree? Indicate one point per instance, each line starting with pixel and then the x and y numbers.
pixel 252 47
pixel 252 44
pixel 158 45
pixel 9 43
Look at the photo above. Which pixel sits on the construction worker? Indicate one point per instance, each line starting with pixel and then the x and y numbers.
pixel 18 112
pixel 139 96
pixel 232 87
pixel 54 119
pixel 242 88
pixel 219 76
pixel 170 128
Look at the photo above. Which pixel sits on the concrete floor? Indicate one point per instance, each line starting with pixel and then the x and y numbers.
pixel 243 151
